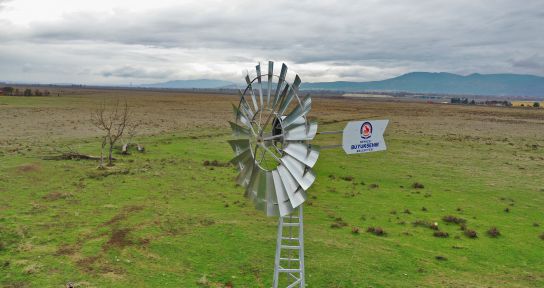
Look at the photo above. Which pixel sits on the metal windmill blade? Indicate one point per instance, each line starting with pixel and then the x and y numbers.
pixel 272 150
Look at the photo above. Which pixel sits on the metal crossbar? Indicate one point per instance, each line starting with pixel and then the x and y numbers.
pixel 290 251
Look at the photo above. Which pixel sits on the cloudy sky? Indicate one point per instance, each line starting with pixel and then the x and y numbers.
pixel 120 42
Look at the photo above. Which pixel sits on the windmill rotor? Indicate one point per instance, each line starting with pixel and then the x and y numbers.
pixel 272 147
pixel 275 158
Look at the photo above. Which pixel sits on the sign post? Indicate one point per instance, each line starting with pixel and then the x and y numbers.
pixel 364 136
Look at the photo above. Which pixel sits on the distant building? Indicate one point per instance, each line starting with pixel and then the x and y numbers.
pixel 459 100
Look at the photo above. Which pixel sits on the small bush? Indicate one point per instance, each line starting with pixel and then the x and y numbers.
pixel 441 234
pixel 541 236
pixel 215 163
pixel 373 186
pixel 418 185
pixel 378 231
pixel 339 223
pixel 453 219
pixel 419 223
pixel 427 224
pixel 347 178
pixel 440 258
pixel 507 210
pixel 471 233
pixel 355 230
pixel 493 232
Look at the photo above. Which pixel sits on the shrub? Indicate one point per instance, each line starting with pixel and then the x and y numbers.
pixel 423 223
pixel 338 223
pixel 347 178
pixel 441 234
pixel 7 91
pixel 378 231
pixel 418 185
pixel 493 232
pixel 215 163
pixel 453 219
pixel 471 233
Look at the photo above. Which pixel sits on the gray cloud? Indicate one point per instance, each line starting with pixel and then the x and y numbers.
pixel 324 40
pixel 534 62
pixel 3 4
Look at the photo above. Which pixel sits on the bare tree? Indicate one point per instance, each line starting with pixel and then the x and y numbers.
pixel 112 122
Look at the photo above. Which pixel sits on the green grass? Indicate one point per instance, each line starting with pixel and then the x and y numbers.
pixel 163 219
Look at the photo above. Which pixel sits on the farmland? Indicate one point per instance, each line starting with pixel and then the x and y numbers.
pixel 165 219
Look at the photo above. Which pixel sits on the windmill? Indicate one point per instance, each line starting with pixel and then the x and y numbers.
pixel 275 158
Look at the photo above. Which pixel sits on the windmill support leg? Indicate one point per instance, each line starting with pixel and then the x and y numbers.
pixel 290 251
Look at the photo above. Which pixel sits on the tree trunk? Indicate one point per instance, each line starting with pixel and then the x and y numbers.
pixel 110 158
pixel 102 153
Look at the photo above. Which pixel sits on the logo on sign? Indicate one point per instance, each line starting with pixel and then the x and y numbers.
pixel 366 130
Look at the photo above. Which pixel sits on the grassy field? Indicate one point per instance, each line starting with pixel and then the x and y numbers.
pixel 164 219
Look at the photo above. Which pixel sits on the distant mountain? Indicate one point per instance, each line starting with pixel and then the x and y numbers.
pixel 189 84
pixel 415 82
pixel 444 83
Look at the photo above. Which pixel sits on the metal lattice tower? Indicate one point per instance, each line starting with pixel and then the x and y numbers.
pixel 290 251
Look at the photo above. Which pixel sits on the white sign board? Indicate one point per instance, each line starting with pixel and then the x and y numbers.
pixel 364 136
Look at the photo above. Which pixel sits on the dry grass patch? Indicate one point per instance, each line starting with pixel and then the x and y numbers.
pixel 56 196
pixel 31 167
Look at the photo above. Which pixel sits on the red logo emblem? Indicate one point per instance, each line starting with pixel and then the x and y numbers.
pixel 366 130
